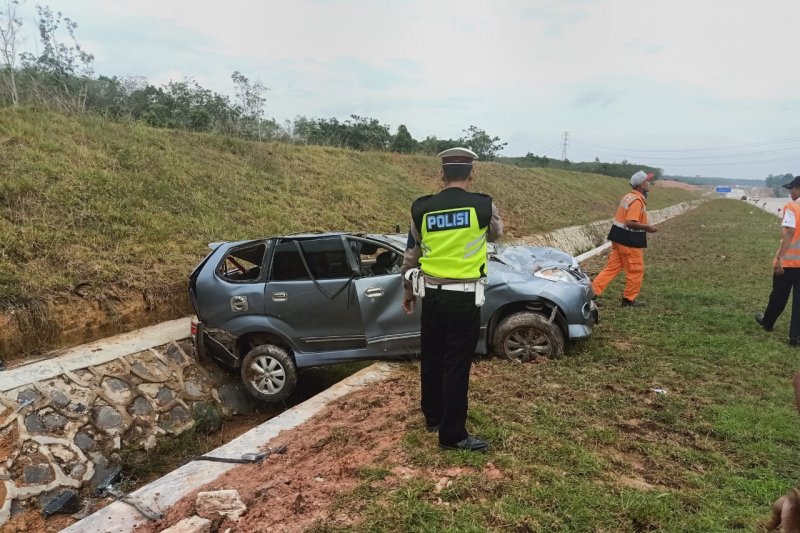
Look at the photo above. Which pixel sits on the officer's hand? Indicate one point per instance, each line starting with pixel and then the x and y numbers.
pixel 778 267
pixel 408 305
pixel 652 229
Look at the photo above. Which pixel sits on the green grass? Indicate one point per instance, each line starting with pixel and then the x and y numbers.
pixel 128 208
pixel 585 445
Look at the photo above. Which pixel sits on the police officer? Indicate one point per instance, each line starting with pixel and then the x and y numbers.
pixel 445 264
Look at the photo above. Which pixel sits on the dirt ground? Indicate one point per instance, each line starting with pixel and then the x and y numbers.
pixel 34 522
pixel 288 492
pixel 326 457
pixel 28 332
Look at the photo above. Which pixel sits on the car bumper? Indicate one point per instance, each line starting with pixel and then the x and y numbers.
pixel 210 344
pixel 579 331
pixel 591 317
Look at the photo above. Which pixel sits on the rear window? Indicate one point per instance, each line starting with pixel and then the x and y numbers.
pixel 243 264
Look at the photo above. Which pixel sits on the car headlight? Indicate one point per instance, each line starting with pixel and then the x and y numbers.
pixel 555 274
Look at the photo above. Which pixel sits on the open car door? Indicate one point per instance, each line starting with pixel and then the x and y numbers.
pixel 388 330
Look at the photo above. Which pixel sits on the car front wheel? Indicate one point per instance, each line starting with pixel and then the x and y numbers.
pixel 527 336
pixel 268 373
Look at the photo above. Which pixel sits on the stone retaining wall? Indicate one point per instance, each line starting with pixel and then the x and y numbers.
pixel 66 432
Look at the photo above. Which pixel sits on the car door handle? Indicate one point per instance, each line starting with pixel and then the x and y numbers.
pixel 374 292
pixel 279 297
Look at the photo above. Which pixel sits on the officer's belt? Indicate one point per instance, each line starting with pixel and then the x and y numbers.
pixel 416 278
pixel 461 286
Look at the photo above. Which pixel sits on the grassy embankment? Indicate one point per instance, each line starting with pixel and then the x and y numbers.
pixel 127 210
pixel 585 444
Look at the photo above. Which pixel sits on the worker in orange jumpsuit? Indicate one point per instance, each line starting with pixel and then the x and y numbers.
pixel 628 238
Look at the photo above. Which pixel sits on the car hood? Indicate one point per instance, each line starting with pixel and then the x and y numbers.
pixel 513 263
pixel 531 258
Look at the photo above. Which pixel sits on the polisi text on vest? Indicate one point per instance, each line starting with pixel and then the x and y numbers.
pixel 445 221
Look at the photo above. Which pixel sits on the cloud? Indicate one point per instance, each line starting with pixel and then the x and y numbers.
pixel 624 70
pixel 598 98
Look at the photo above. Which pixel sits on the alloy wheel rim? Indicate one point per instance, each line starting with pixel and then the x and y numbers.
pixel 525 345
pixel 269 376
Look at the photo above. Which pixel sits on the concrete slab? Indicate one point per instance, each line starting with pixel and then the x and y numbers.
pixel 96 353
pixel 166 491
pixel 593 252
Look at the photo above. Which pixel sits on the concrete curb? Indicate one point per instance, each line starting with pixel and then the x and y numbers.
pixel 166 491
pixel 96 353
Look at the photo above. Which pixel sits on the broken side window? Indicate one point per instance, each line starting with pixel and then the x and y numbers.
pixel 377 260
pixel 243 264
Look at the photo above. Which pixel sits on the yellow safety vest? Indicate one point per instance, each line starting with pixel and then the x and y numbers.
pixel 453 244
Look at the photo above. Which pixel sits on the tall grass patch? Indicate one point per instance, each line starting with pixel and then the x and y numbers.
pixel 85 200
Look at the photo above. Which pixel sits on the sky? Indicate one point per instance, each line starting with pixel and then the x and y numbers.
pixel 695 87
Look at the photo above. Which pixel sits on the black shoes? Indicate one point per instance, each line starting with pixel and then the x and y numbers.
pixel 432 429
pixel 760 320
pixel 470 444
pixel 632 303
pixel 793 341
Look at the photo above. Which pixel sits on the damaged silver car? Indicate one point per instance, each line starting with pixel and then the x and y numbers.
pixel 270 307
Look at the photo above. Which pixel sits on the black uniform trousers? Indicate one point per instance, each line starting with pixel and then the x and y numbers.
pixel 449 335
pixel 782 285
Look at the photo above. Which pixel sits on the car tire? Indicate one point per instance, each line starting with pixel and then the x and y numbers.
pixel 525 337
pixel 268 373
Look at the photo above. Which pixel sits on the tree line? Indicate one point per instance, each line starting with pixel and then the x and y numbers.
pixel 61 76
pixel 624 169
pixel 776 183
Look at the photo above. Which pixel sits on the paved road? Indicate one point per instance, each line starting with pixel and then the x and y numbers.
pixel 773 205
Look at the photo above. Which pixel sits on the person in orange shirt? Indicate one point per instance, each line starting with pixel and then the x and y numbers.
pixel 628 238
pixel 786 269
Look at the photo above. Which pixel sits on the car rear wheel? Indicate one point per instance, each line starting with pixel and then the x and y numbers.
pixel 527 336
pixel 268 373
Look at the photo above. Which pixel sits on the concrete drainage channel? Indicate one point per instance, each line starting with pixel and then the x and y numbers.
pixel 64 419
pixel 68 423
pixel 123 517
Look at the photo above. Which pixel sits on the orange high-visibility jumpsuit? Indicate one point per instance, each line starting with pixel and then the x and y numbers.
pixel 627 252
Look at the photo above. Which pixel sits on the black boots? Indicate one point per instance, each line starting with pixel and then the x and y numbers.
pixel 760 320
pixel 632 303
